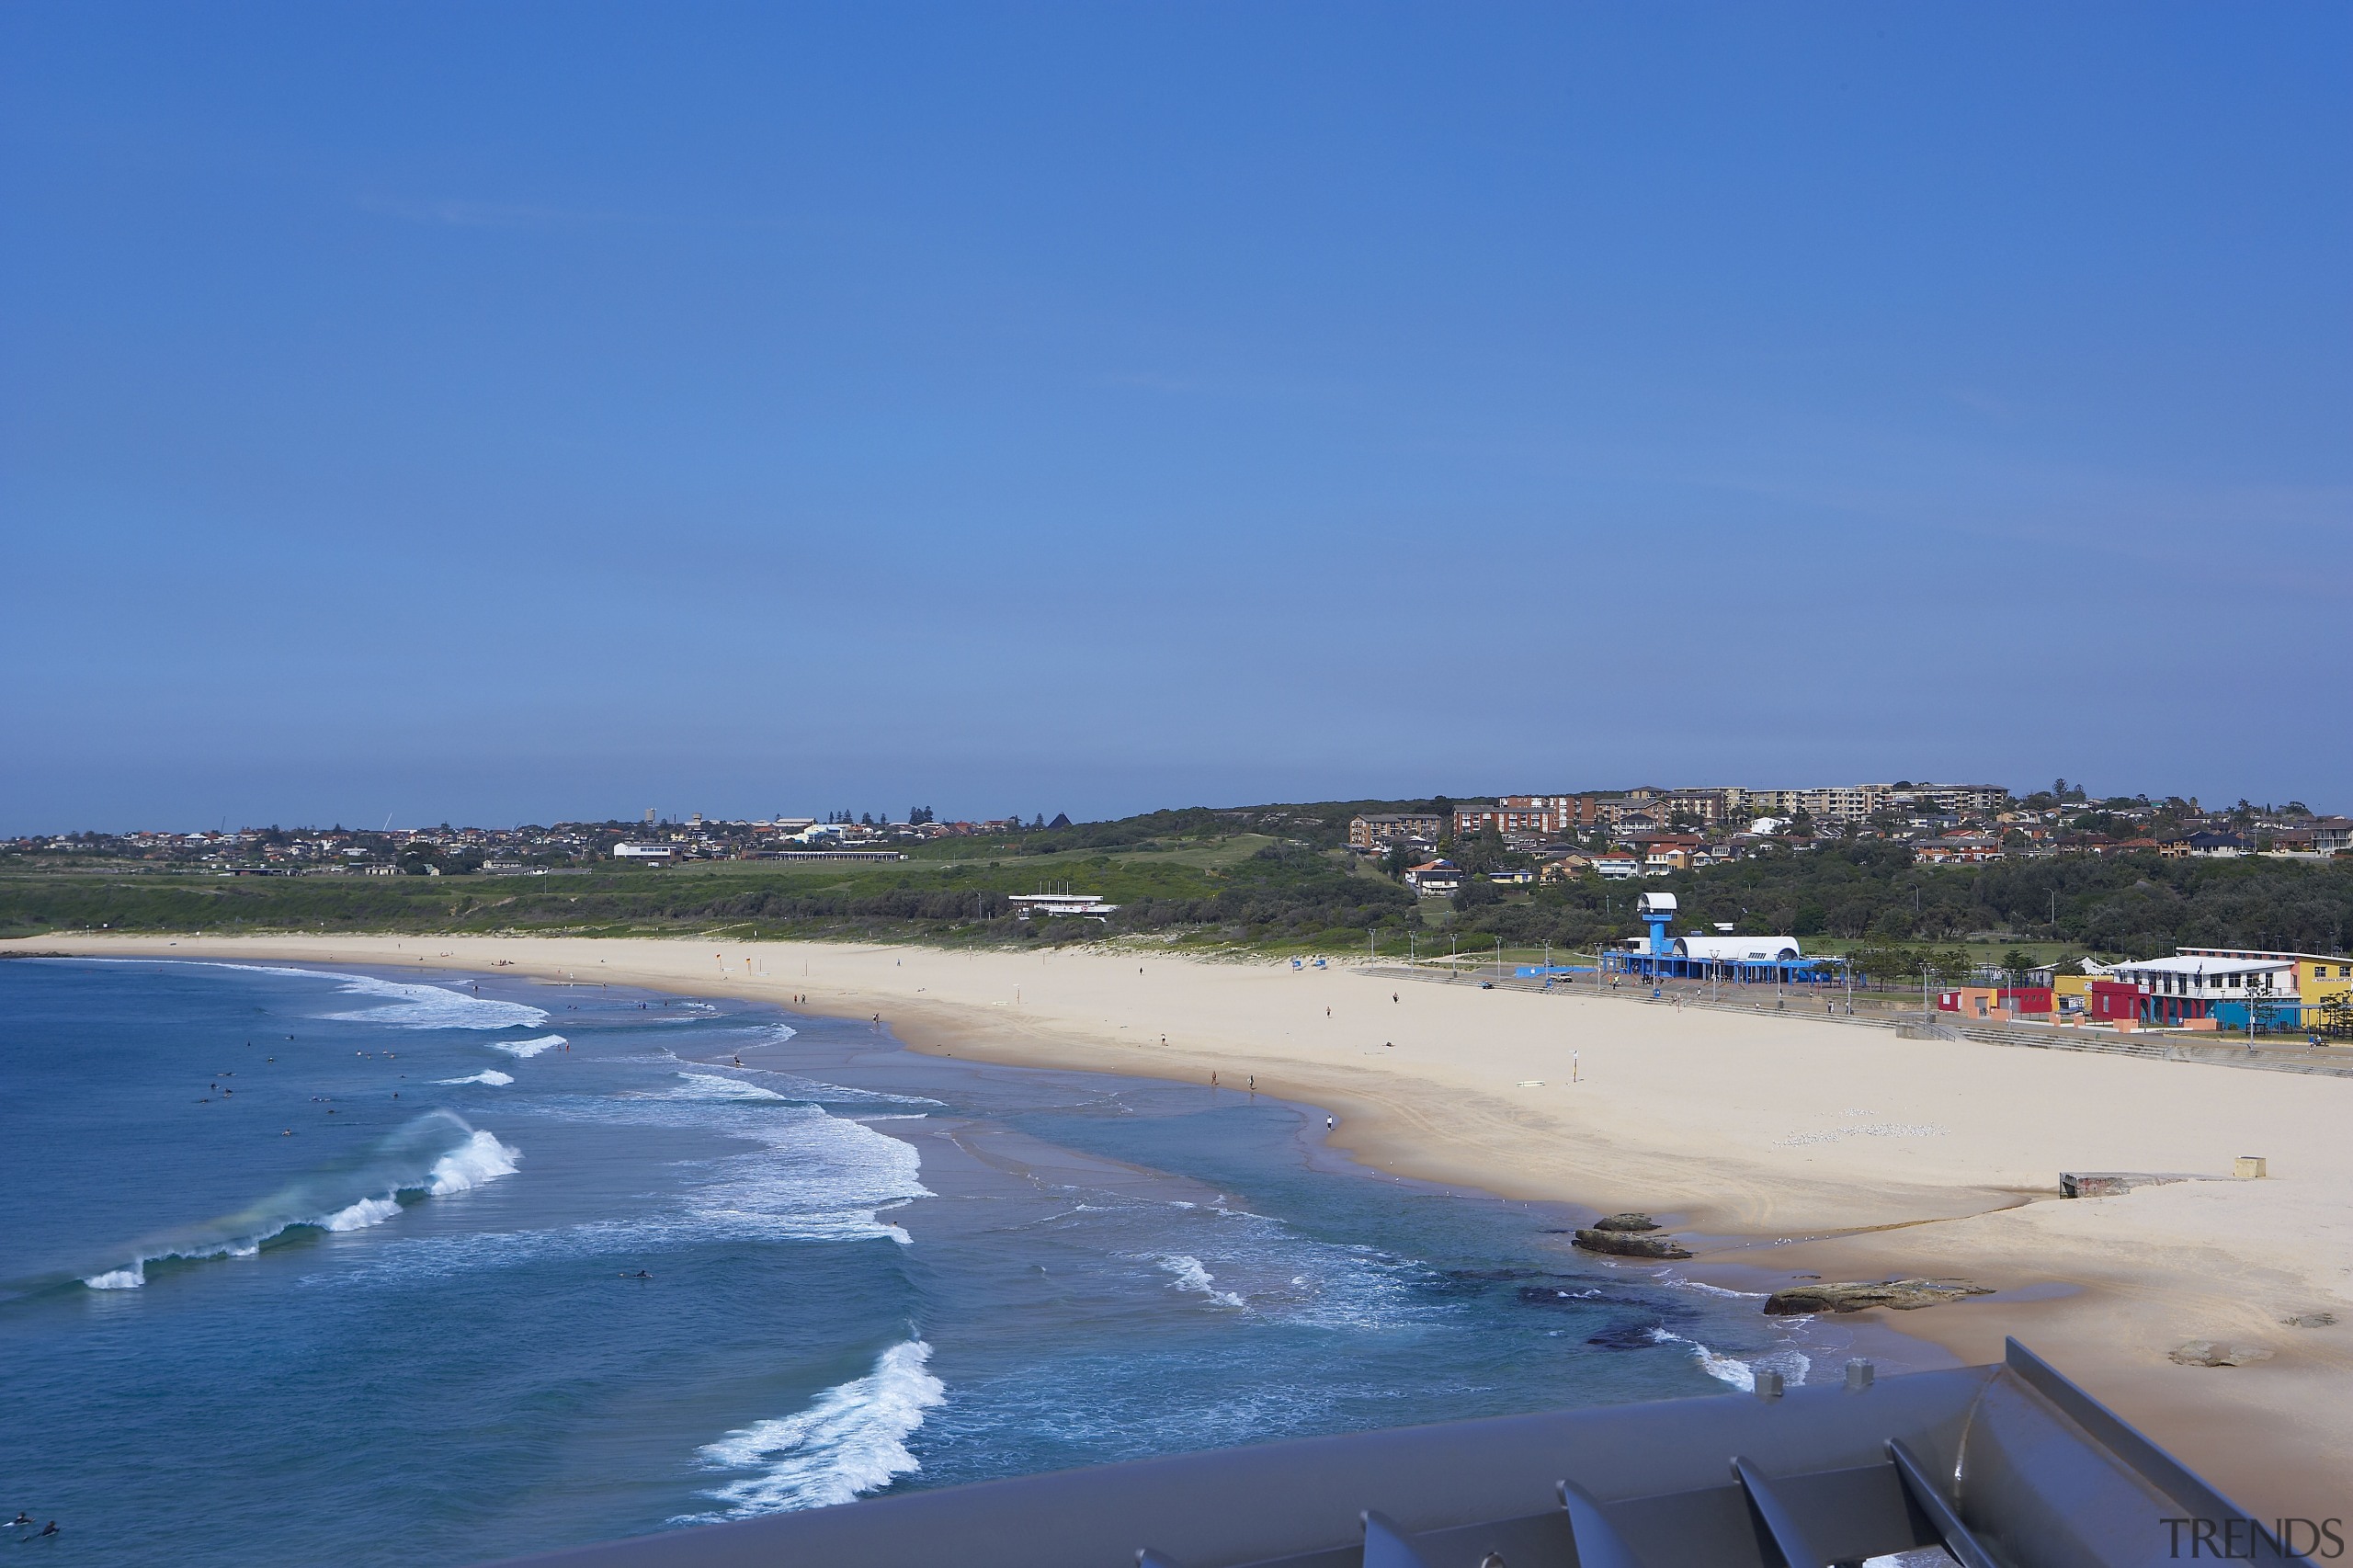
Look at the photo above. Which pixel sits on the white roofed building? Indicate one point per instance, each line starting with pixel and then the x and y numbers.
pixel 1738 949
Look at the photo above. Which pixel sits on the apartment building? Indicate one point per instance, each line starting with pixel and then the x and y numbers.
pixel 1372 835
pixel 1512 821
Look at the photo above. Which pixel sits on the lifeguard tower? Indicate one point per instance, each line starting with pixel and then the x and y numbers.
pixel 1657 910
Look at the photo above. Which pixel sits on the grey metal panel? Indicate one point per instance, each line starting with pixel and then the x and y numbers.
pixel 2156 1466
pixel 1385 1545
pixel 1849 1515
pixel 1929 1498
pixel 1540 1541
pixel 1784 1526
pixel 2050 1477
pixel 1596 1539
pixel 1711 1526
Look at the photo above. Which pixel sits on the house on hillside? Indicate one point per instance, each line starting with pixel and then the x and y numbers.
pixel 1435 877
pixel 2203 847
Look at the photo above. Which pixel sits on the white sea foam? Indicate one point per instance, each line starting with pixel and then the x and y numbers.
pixel 1707 1289
pixel 1185 1273
pixel 527 1049
pixel 710 1086
pixel 360 1215
pixel 852 1440
pixel 487 1076
pixel 412 1006
pixel 806 1175
pixel 1793 1365
pixel 814 1177
pixel 478 1159
pixel 795 1087
pixel 407 1007
pixel 418 1158
pixel 1264 1265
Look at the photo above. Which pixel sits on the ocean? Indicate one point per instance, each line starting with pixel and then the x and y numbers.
pixel 354 1266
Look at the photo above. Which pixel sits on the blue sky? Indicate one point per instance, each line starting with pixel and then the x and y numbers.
pixel 507 413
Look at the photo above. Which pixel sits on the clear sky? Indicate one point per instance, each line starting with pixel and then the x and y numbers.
pixel 495 412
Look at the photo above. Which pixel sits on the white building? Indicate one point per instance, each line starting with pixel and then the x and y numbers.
pixel 1036 903
pixel 1737 949
pixel 643 851
pixel 2203 977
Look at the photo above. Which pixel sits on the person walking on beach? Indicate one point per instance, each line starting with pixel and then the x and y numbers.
pixel 1329 1124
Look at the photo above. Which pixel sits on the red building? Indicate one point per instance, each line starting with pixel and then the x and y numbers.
pixel 2113 999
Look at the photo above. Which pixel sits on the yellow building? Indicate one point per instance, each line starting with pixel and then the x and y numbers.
pixel 2070 996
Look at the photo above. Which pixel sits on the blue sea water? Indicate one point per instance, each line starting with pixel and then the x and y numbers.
pixel 363 1268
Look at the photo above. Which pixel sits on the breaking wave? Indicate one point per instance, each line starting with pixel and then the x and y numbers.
pixel 806 1175
pixel 487 1076
pixel 710 1086
pixel 527 1049
pixel 1185 1273
pixel 1793 1365
pixel 851 1441
pixel 812 1177
pixel 433 1156
pixel 405 1005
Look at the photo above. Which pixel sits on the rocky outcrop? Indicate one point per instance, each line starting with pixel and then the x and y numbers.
pixel 1854 1296
pixel 2116 1184
pixel 1629 1243
pixel 2310 1320
pixel 2215 1353
pixel 1626 1222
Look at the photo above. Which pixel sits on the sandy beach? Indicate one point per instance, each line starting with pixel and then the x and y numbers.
pixel 1777 1147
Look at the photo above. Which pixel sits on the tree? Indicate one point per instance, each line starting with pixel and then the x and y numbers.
pixel 1477 892
pixel 1486 851
pixel 2015 964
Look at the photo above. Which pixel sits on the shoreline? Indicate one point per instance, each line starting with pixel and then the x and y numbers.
pixel 1774 1146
